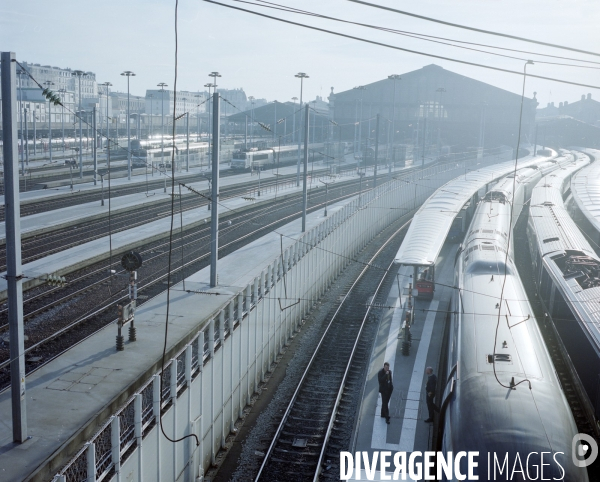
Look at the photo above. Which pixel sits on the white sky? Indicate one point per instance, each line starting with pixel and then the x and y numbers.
pixel 262 56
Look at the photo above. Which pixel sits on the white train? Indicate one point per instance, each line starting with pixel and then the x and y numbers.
pixel 567 275
pixel 259 159
pixel 502 395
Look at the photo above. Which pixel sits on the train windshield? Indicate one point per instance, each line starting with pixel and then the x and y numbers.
pixel 424 273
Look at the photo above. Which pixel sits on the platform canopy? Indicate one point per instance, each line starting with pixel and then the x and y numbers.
pixel 430 226
pixel 585 187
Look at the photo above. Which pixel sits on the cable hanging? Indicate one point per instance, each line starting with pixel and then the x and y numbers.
pixel 382 44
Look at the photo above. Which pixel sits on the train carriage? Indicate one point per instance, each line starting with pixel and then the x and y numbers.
pixel 502 394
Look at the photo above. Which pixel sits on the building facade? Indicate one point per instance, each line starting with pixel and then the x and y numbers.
pixel 585 110
pixel 434 107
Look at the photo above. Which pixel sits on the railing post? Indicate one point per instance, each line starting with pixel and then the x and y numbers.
pixel 137 416
pixel 91 462
pixel 115 441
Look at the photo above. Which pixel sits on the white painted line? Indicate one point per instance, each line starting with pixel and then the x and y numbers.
pixel 411 410
pixel 378 439
pixel 409 425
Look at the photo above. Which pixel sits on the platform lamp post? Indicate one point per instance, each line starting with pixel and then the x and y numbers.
pixel 162 86
pixel 294 120
pixel 128 74
pixel 209 85
pixel 529 62
pixel 362 89
pixel 198 97
pixel 49 85
pixel 301 76
pixel 394 77
pixel 107 85
pixel 150 122
pixel 63 92
pixel 34 131
pixel 441 90
pixel 79 74
pixel 251 99
pixel 214 75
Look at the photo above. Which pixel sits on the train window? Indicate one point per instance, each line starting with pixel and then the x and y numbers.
pixel 546 285
pixel 560 309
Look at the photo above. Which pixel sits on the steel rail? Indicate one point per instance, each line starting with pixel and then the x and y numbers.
pixel 153 282
pixel 290 406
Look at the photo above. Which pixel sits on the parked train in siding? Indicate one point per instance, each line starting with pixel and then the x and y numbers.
pixel 502 394
pixel 264 158
pixel 567 277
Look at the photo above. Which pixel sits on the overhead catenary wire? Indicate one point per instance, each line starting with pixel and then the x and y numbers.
pixel 474 29
pixel 394 47
pixel 419 36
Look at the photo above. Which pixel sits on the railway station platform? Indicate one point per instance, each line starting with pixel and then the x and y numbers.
pixel 71 259
pixel 67 397
pixel 407 431
pixel 37 224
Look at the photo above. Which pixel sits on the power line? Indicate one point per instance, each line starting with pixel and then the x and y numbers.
pixel 489 32
pixel 381 44
pixel 426 38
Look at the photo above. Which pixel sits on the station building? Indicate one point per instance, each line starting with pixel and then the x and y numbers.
pixel 434 106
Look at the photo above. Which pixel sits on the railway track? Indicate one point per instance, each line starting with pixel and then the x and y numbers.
pixel 55 326
pixel 45 244
pixel 81 197
pixel 318 421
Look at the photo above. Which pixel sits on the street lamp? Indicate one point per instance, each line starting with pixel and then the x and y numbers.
pixel 79 74
pixel 301 76
pixel 362 88
pixel 441 90
pixel 107 85
pixel 150 125
pixel 49 85
pixel 529 62
pixel 214 75
pixel 208 123
pixel 294 120
pixel 394 77
pixel 251 99
pixel 198 97
pixel 162 86
pixel 128 74
pixel 62 116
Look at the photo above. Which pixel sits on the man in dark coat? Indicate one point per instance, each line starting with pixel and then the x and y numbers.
pixel 430 389
pixel 386 387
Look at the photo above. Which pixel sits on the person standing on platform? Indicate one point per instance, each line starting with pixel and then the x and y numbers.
pixel 386 387
pixel 430 393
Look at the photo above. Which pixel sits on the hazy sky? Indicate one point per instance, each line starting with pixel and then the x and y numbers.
pixel 262 55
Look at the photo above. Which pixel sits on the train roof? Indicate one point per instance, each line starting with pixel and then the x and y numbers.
pixel 585 187
pixel 431 224
pixel 568 256
pixel 555 230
